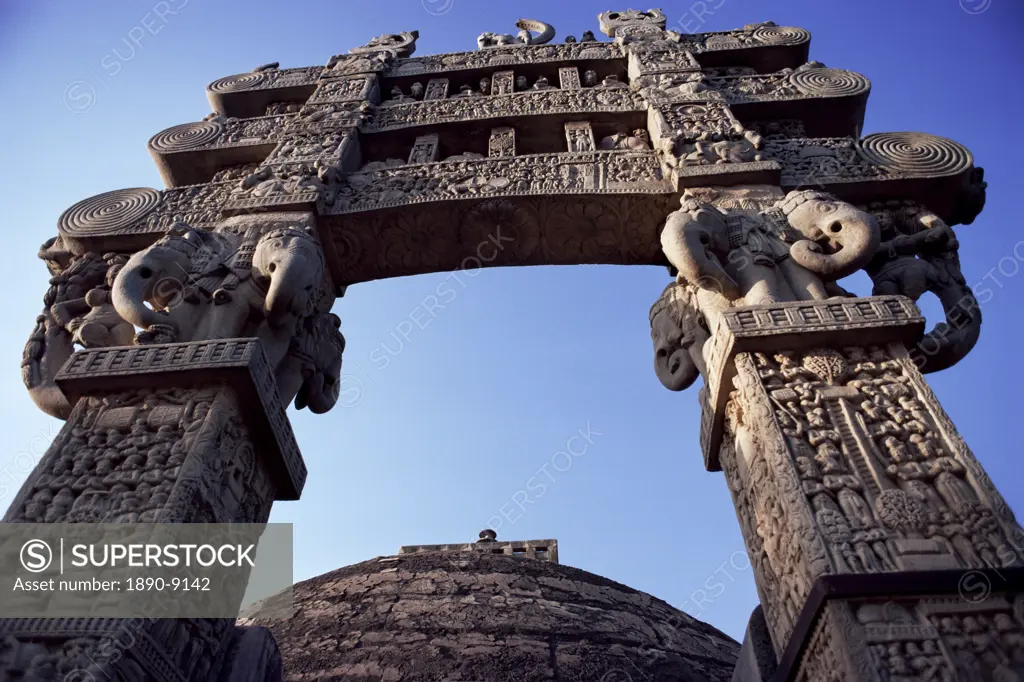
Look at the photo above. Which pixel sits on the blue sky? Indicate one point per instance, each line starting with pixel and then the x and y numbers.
pixel 467 420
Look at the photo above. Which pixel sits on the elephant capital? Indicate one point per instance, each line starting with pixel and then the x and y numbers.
pixel 195 285
pixel 754 252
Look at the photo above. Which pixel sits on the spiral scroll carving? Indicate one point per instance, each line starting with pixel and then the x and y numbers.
pixel 830 82
pixel 781 35
pixel 185 137
pixel 348 250
pixel 917 154
pixel 237 83
pixel 109 212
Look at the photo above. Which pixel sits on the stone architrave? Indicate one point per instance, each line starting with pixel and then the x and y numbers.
pixel 425 149
pixel 580 137
pixel 502 143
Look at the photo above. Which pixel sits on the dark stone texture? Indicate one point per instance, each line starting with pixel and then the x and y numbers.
pixel 472 616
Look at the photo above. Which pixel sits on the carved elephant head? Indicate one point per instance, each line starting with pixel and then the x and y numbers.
pixel 839 239
pixel 152 290
pixel 320 390
pixel 692 240
pixel 678 334
pixel 289 264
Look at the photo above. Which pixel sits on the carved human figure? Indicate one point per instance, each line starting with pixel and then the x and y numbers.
pixel 640 139
pixel 76 310
pixel 680 152
pixel 918 254
pixel 679 334
pixel 790 252
pixel 855 508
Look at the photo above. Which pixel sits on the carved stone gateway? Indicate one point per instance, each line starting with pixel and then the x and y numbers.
pixel 180 323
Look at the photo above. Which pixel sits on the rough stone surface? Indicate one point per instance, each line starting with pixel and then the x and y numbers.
pixel 472 616
pixel 728 156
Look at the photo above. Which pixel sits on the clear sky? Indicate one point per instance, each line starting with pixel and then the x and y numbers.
pixel 470 414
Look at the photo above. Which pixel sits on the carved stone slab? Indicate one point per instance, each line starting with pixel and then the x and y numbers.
pixel 552 101
pixel 569 78
pixel 238 363
pixel 425 149
pixel 601 172
pixel 353 88
pixel 579 137
pixel 502 143
pixel 791 326
pixel 917 635
pixel 842 464
pixel 519 54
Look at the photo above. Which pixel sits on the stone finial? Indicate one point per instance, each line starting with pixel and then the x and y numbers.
pixel 400 44
pixel 531 32
pixel 488 535
pixel 611 22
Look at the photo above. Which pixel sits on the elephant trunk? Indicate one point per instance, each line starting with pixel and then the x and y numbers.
pixel 675 370
pixel 686 242
pixel 135 285
pixel 855 234
pixel 289 291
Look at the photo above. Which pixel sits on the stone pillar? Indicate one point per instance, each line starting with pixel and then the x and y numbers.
pixel 173 433
pixel 880 548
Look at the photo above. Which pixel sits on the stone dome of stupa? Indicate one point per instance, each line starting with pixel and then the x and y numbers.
pixel 437 613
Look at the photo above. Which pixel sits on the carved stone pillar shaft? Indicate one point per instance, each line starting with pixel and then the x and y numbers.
pixel 175 433
pixel 880 548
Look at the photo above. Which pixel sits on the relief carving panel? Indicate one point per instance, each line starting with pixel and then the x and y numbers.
pixel 552 101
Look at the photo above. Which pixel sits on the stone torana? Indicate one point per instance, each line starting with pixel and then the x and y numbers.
pixel 181 322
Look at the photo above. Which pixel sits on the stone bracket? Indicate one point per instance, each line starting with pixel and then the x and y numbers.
pixel 237 363
pixel 795 326
pixel 904 584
